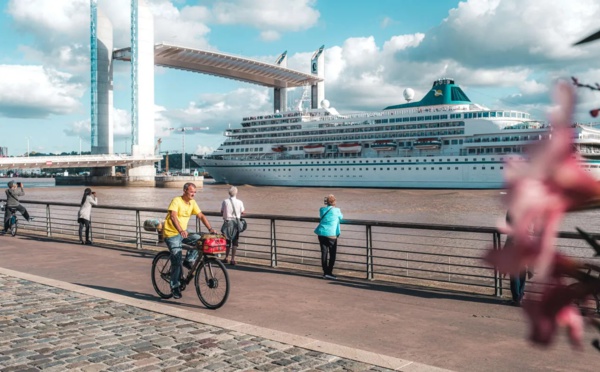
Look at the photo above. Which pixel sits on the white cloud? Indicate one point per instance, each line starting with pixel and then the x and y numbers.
pixel 281 15
pixel 386 22
pixel 203 150
pixel 37 92
pixel 217 111
pixel 511 32
pixel 80 128
pixel 270 35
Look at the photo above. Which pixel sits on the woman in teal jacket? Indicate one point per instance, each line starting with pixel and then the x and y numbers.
pixel 328 231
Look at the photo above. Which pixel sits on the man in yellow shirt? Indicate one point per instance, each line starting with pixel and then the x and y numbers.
pixel 175 232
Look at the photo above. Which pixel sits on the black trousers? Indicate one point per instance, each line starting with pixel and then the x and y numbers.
pixel 7 214
pixel 84 223
pixel 328 247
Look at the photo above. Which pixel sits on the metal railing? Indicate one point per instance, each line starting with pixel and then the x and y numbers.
pixel 442 256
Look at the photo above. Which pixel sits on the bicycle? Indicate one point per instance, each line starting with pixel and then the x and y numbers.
pixel 13 221
pixel 210 275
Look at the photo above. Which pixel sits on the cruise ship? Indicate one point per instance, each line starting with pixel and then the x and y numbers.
pixel 442 141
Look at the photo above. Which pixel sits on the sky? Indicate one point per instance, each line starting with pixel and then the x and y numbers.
pixel 505 54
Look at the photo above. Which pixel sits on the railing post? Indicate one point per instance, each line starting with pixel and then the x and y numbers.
pixel 369 253
pixel 273 244
pixel 497 275
pixel 48 222
pixel 138 230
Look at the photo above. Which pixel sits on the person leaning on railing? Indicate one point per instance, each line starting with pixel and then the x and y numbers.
pixel 175 232
pixel 328 232
pixel 84 216
pixel 13 192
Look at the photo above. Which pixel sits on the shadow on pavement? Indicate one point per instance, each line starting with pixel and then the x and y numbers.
pixel 142 296
pixel 401 289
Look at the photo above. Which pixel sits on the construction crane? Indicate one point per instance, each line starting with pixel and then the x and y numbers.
pixel 167 159
pixel 183 130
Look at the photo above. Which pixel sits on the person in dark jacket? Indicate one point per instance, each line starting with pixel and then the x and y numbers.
pixel 328 232
pixel 517 282
pixel 14 191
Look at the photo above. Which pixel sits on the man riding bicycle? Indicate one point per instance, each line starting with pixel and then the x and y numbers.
pixel 175 232
pixel 12 202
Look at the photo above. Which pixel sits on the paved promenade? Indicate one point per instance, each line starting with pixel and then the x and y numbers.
pixel 66 306
pixel 52 329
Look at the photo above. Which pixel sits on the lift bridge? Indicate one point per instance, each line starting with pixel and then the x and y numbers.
pixel 75 161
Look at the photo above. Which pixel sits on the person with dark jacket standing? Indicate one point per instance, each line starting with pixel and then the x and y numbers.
pixel 84 216
pixel 14 191
pixel 517 282
pixel 328 232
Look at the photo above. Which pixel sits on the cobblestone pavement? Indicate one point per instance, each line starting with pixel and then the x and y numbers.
pixel 51 329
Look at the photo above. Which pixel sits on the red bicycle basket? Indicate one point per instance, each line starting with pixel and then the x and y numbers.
pixel 214 244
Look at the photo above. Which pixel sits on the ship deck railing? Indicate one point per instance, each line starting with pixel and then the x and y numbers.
pixel 399 253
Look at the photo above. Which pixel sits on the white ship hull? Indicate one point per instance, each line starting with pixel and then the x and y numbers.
pixel 454 172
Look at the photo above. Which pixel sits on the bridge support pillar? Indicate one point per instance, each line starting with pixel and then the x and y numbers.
pixel 141 175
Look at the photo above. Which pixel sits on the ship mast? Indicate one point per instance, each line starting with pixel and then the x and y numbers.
pixel 305 99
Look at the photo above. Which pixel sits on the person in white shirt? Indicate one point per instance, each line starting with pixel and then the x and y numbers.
pixel 232 210
pixel 84 216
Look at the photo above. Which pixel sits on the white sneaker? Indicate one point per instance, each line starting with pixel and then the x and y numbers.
pixel 332 277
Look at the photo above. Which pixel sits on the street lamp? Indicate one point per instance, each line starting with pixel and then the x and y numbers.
pixel 27 146
pixel 183 130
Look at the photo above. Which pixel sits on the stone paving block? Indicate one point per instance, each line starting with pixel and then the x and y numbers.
pixel 122 367
pixel 267 367
pixel 275 345
pixel 147 361
pixel 77 364
pixel 277 355
pixel 94 368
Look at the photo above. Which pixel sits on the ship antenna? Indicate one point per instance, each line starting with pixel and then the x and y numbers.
pixel 305 96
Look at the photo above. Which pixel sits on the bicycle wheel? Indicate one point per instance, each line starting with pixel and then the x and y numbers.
pixel 161 274
pixel 212 283
pixel 13 227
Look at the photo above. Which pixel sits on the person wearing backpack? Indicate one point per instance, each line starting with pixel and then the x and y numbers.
pixel 328 232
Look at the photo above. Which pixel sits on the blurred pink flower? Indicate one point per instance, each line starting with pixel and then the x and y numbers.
pixel 555 307
pixel 555 310
pixel 541 189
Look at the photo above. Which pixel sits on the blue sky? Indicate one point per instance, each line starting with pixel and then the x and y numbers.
pixel 504 53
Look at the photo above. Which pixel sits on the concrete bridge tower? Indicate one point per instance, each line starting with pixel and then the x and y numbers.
pixel 101 47
pixel 142 91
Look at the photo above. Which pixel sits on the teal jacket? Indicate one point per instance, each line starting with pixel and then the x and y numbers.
pixel 330 224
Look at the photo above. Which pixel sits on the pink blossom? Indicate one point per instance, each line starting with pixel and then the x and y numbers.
pixel 541 190
pixel 554 310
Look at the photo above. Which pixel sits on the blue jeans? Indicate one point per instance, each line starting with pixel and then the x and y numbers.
pixel 175 247
pixel 517 286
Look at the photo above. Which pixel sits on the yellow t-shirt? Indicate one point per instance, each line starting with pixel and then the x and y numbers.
pixel 184 212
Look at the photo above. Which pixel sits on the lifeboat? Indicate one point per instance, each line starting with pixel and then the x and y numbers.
pixel 315 148
pixel 278 148
pixel 384 146
pixel 351 148
pixel 427 144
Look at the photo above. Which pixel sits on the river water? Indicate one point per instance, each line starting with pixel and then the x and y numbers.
pixel 461 207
